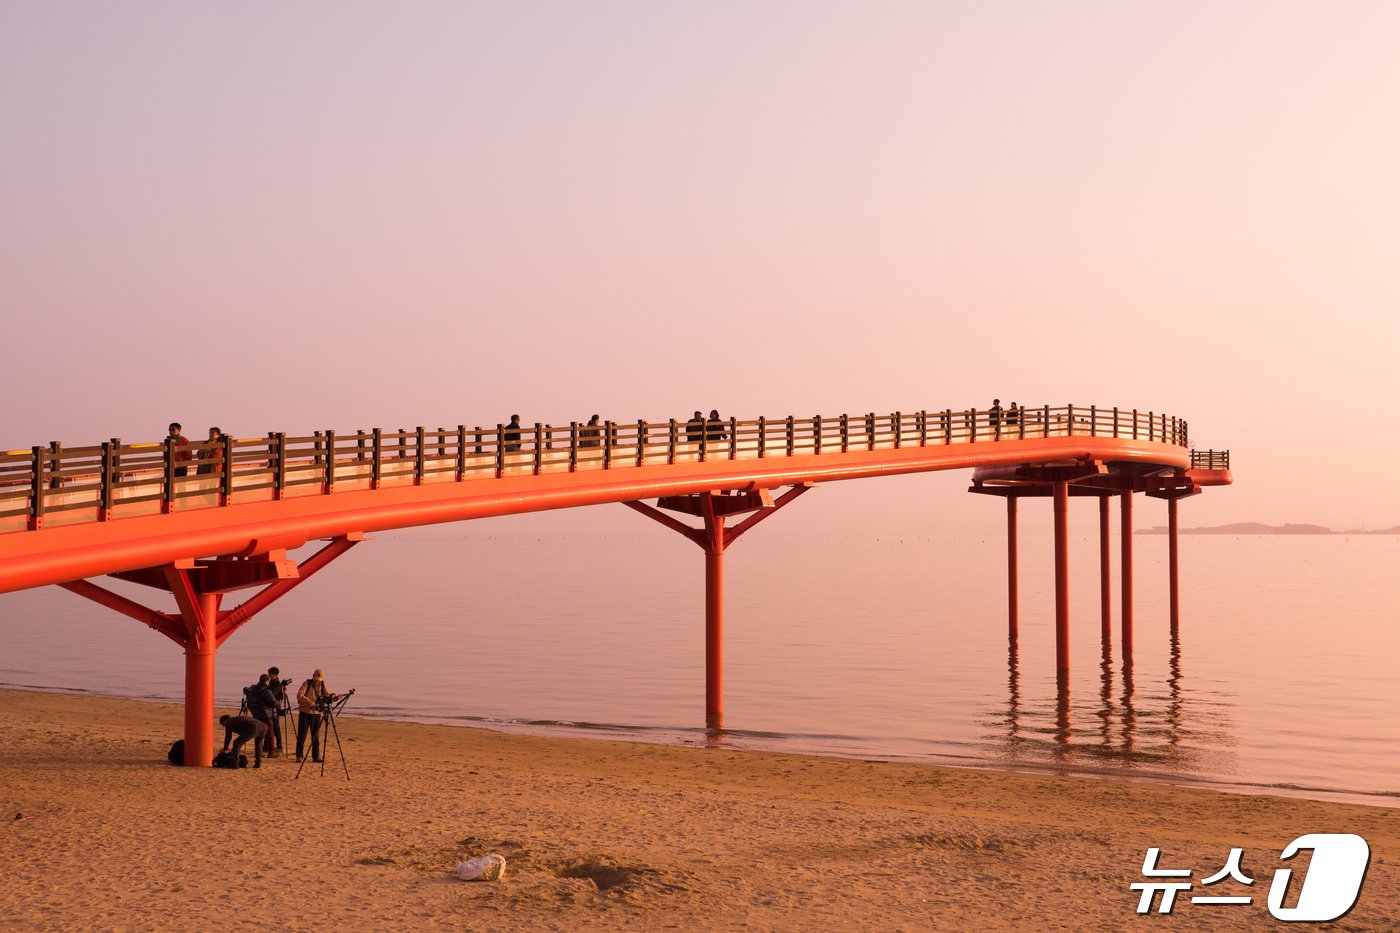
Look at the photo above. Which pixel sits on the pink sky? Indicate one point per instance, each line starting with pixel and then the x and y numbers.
pixel 275 217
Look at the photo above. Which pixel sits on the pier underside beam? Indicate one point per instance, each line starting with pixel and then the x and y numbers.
pixel 200 626
pixel 713 537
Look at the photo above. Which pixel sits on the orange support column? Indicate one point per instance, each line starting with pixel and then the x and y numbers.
pixel 1127 576
pixel 199 684
pixel 1012 601
pixel 1172 562
pixel 1105 612
pixel 714 634
pixel 1061 575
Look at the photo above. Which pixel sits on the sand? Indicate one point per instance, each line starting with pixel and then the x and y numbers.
pixel 98 832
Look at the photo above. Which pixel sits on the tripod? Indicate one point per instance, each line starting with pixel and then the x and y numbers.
pixel 329 709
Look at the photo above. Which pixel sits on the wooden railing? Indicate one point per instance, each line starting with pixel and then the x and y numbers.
pixel 56 484
pixel 1210 460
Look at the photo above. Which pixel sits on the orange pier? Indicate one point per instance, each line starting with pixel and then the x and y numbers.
pixel 131 511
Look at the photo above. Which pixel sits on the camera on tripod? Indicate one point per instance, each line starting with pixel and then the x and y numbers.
pixel 286 682
pixel 325 704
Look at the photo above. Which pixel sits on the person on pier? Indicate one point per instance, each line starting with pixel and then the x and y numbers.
pixel 512 434
pixel 714 427
pixel 212 457
pixel 182 448
pixel 695 428
pixel 589 434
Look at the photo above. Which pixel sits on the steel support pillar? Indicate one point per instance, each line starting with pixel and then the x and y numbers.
pixel 1172 563
pixel 1012 597
pixel 1061 493
pixel 714 626
pixel 1126 583
pixel 712 508
pixel 199 683
pixel 1105 611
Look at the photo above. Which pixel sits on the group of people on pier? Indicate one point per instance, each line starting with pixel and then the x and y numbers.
pixel 211 458
pixel 265 702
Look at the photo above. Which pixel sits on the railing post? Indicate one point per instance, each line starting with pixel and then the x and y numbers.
pixel 55 465
pixel 104 504
pixel 538 460
pixel 573 446
pixel 328 486
pixel 641 441
pixel 461 452
pixel 947 426
pixel 442 442
pixel 376 466
pixel 791 440
pixel 226 480
pixel 845 435
pixel 762 436
pixel 477 435
pixel 733 437
pixel 316 454
pixel 500 450
pixel 167 493
pixel 37 487
pixel 1135 424
pixel 1115 420
pixel 359 445
pixel 898 430
pixel 970 422
pixel 607 444
pixel 704 438
pixel 923 427
pixel 277 451
pixel 1069 418
pixel 418 463
pixel 870 431
pixel 116 462
pixel 817 433
pixel 1093 421
pixel 1045 423
pixel 1151 426
pixel 671 438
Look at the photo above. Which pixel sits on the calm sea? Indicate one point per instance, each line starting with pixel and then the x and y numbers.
pixel 1282 677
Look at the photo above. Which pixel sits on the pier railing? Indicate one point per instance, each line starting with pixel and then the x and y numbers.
pixel 56 484
pixel 1210 460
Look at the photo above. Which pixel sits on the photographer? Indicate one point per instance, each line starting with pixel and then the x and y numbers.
pixel 278 686
pixel 312 699
pixel 262 706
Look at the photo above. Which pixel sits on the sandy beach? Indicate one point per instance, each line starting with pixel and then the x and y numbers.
pixel 101 833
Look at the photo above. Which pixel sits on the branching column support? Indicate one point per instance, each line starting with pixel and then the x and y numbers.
pixel 713 508
pixel 200 626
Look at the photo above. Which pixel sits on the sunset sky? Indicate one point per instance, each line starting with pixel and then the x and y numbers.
pixel 345 215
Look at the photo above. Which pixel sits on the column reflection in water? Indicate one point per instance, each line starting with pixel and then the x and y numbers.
pixel 1156 729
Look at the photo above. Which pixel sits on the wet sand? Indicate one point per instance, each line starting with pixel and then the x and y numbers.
pixel 97 831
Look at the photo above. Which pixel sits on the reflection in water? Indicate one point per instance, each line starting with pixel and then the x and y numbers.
pixel 1161 730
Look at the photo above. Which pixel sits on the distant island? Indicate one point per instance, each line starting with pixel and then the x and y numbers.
pixel 1259 528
